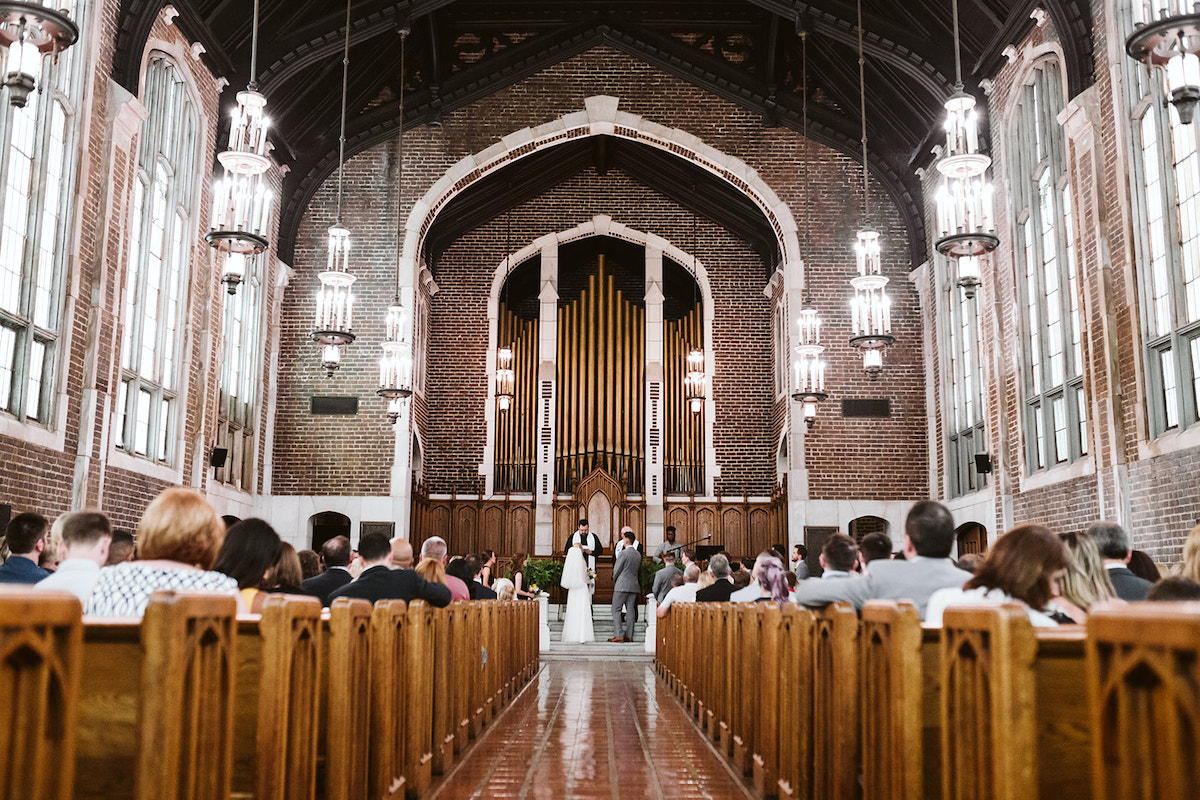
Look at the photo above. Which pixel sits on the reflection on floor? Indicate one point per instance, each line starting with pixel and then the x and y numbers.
pixel 593 730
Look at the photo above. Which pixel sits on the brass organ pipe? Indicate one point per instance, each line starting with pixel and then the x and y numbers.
pixel 602 343
pixel 622 405
pixel 589 362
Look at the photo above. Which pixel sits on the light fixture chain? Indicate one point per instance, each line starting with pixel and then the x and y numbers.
pixel 253 85
pixel 400 164
pixel 342 135
pixel 862 106
pixel 957 54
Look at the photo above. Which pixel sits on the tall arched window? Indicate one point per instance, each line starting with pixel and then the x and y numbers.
pixel 37 178
pixel 163 230
pixel 1165 186
pixel 240 371
pixel 1055 408
pixel 964 387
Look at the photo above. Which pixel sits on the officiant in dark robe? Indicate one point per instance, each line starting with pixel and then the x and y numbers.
pixel 590 542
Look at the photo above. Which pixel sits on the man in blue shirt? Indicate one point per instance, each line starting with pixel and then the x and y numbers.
pixel 26 539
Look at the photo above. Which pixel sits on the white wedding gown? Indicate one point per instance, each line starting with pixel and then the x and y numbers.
pixel 577 625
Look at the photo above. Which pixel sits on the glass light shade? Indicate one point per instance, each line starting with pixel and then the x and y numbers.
pixel 873 360
pixel 696 404
pixel 810 411
pixel 968 274
pixel 24 69
pixel 331 358
pixel 233 271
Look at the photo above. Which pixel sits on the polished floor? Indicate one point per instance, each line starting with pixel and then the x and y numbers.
pixel 600 729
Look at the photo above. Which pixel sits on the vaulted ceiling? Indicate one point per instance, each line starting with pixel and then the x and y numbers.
pixel 745 52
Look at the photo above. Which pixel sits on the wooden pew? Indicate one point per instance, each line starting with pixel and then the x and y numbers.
pixel 418 698
pixel 276 713
pixel 1143 677
pixel 444 689
pixel 766 618
pixel 156 714
pixel 463 660
pixel 41 639
pixel 835 703
pixel 890 688
pixel 391 769
pixel 347 742
pixel 795 702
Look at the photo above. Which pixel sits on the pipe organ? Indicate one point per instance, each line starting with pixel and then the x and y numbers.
pixel 600 416
pixel 683 462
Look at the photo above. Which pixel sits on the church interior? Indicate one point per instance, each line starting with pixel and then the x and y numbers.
pixel 761 271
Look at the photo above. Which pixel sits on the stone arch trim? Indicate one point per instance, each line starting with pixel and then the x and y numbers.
pixel 601 117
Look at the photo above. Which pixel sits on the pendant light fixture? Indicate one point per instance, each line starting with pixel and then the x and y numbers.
pixel 966 224
pixel 334 300
pixel 506 377
pixel 870 310
pixel 28 32
pixel 1166 34
pixel 808 367
pixel 241 201
pixel 693 383
pixel 396 365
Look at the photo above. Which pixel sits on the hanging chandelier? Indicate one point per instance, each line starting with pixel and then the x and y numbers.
pixel 966 224
pixel 396 365
pixel 1166 34
pixel 241 200
pixel 870 309
pixel 694 380
pixel 28 32
pixel 808 366
pixel 334 300
pixel 505 378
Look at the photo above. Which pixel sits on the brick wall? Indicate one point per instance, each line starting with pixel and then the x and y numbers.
pixel 843 454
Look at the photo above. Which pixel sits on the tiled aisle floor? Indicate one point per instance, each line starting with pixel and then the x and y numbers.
pixel 599 729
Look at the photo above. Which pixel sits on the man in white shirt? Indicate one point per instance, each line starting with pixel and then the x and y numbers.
pixel 83 539
pixel 588 541
pixel 668 546
pixel 681 594
pixel 622 543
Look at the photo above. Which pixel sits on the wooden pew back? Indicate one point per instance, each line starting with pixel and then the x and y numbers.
pixel 41 639
pixel 835 702
pixel 889 679
pixel 348 735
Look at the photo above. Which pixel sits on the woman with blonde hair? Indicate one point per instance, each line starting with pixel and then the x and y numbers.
pixel 432 570
pixel 504 589
pixel 1190 566
pixel 178 538
pixel 1084 581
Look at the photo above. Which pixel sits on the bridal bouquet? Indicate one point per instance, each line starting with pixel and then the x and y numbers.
pixel 591 575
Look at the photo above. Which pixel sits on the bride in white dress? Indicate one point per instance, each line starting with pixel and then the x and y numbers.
pixel 577 626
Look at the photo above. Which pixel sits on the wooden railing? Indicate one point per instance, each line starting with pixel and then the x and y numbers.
pixel 193 703
pixel 827 706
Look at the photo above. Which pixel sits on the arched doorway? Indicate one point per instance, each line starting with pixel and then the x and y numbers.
pixel 971 538
pixel 326 525
pixel 861 526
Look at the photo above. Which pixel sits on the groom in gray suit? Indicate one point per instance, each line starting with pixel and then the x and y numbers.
pixel 627 586
pixel 928 540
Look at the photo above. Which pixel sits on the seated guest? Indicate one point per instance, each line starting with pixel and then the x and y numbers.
pixel 83 539
pixel 838 557
pixel 741 579
pixel 875 547
pixel 247 555
pixel 504 588
pixel 1189 567
pixel 177 542
pixel 378 581
pixel 706 579
pixel 928 539
pixel 1085 581
pixel 1023 567
pixel 488 561
pixel 310 564
pixel 48 560
pixel 1174 588
pixel 26 539
pixel 970 562
pixel 750 593
pixel 402 553
pixel 475 569
pixel 1113 543
pixel 722 587
pixel 791 580
pixel 432 570
pixel 335 554
pixel 435 547
pixel 121 548
pixel 772 587
pixel 1142 565
pixel 517 571
pixel 799 562
pixel 287 574
pixel 681 594
pixel 663 578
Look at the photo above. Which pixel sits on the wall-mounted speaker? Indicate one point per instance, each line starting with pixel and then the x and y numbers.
pixel 983 463
pixel 217 457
